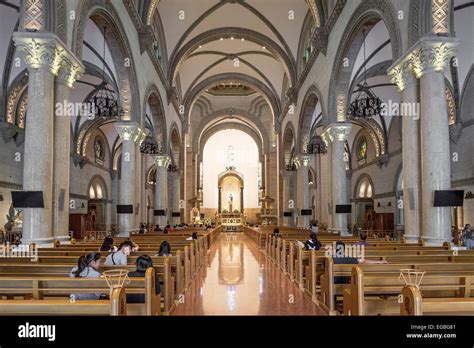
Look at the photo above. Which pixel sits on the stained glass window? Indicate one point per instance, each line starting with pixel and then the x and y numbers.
pixel 362 149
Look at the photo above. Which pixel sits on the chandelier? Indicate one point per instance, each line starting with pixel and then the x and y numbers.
pixel 104 100
pixel 150 147
pixel 366 104
pixel 317 146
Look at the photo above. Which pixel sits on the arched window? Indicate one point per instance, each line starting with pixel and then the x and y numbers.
pixel 365 189
pixel 96 189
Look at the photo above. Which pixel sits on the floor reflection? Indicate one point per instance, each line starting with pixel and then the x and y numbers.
pixel 240 281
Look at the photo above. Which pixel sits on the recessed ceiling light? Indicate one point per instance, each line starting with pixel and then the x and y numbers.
pixel 200 46
pixel 232 38
pixel 243 39
pixel 264 48
pixel 222 39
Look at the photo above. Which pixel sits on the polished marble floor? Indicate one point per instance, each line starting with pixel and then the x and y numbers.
pixel 239 280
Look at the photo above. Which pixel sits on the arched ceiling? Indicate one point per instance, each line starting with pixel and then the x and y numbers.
pixel 253 38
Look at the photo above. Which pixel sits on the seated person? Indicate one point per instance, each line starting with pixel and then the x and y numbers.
pixel 363 239
pixel 276 232
pixel 194 236
pixel 135 246
pixel 315 227
pixel 312 243
pixel 142 229
pixel 340 257
pixel 108 245
pixel 157 228
pixel 119 258
pixel 165 249
pixel 143 263
pixel 87 267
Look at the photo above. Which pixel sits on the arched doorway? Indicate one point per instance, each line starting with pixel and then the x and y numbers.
pixel 231 192
pixel 97 205
pixel 364 202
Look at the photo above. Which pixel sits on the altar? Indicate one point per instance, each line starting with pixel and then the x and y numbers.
pixel 231 201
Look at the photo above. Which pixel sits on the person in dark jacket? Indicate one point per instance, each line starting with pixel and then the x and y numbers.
pixel 143 263
pixel 312 243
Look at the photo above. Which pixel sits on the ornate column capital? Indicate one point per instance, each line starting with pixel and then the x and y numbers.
pixel 42 50
pixel 70 71
pixel 430 53
pixel 162 161
pixel 401 75
pixel 130 131
pixel 304 160
pixel 336 132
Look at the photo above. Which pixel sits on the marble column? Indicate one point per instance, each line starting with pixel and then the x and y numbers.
pixel 288 196
pixel 176 177
pixel 336 135
pixel 131 135
pixel 70 71
pixel 161 188
pixel 303 190
pixel 41 52
pixel 403 77
pixel 428 60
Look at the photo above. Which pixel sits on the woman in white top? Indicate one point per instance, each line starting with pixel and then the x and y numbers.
pixel 119 258
pixel 87 267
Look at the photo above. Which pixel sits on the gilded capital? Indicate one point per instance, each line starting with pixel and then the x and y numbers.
pixel 336 132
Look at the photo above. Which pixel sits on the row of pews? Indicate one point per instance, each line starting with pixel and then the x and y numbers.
pixel 42 285
pixel 446 286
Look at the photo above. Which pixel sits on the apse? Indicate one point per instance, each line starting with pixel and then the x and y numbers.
pixel 230 148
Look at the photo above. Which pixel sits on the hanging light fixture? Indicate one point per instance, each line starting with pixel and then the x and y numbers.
pixel 366 104
pixel 104 100
pixel 150 147
pixel 316 146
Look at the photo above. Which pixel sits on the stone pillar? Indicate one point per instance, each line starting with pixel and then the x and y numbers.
pixel 336 135
pixel 242 199
pixel 161 188
pixel 219 203
pixel 402 76
pixel 131 136
pixel 428 61
pixel 303 190
pixel 176 177
pixel 70 71
pixel 42 53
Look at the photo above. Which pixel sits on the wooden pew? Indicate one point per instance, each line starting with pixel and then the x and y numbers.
pixel 42 280
pixel 330 290
pixel 378 294
pixel 115 306
pixel 415 305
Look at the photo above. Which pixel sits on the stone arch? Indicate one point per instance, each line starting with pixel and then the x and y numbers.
pixel 99 179
pixel 367 14
pixel 153 98
pixel 175 146
pixel 252 82
pixel 102 12
pixel 363 178
pixel 467 98
pixel 288 143
pixel 311 99
pixel 258 130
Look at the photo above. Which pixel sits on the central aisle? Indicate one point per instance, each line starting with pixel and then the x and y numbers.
pixel 239 280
